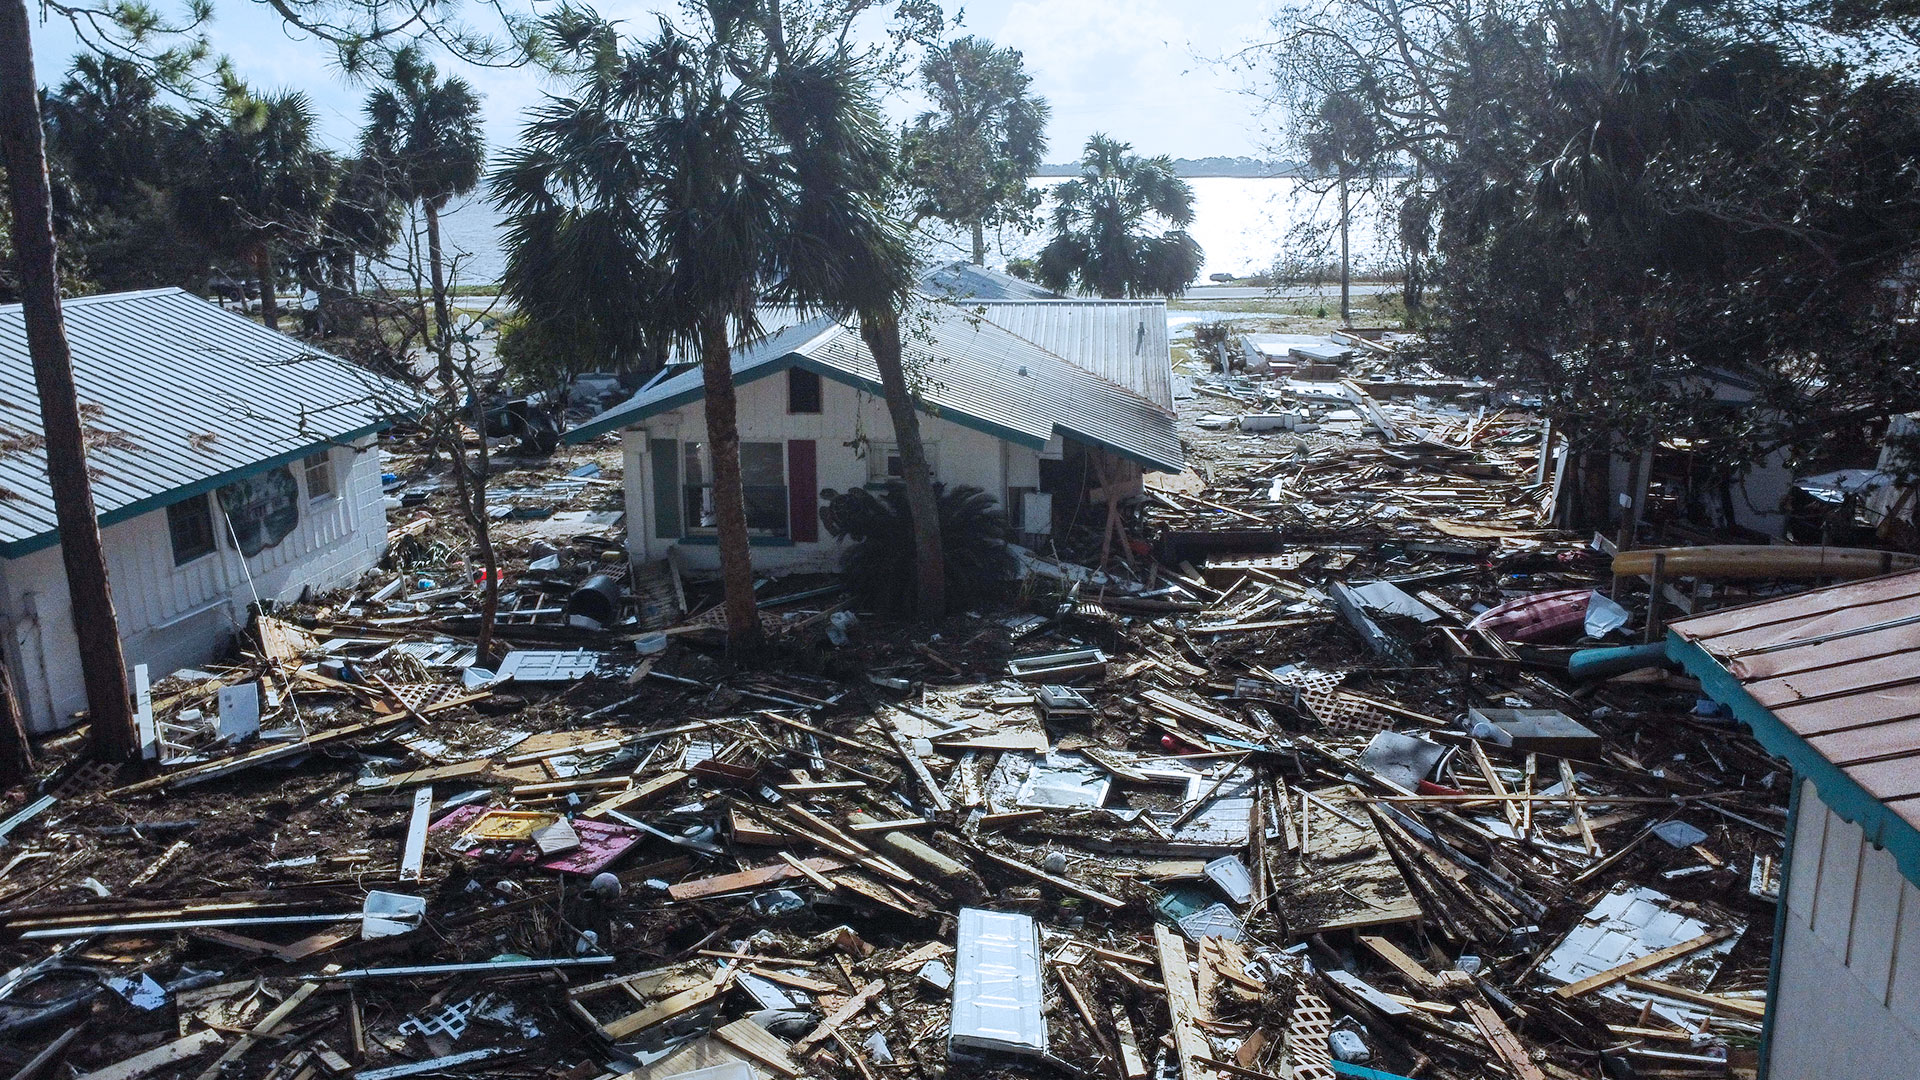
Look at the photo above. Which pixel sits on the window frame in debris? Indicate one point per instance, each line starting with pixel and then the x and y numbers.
pixel 321 465
pixel 181 517
pixel 763 499
pixel 883 456
pixel 806 392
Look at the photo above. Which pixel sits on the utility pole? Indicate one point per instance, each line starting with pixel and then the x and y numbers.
pixel 97 629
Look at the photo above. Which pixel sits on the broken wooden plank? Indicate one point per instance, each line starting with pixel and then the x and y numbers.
pixel 1074 888
pixel 746 879
pixel 1506 1046
pixel 754 1041
pixel 459 770
pixel 853 1007
pixel 668 1007
pixel 260 1030
pixel 1753 1010
pixel 920 771
pixel 1188 1042
pixel 1407 966
pixel 157 1058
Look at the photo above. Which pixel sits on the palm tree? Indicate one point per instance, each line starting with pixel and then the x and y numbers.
pixel 1345 142
pixel 713 173
pixel 674 147
pixel 1104 219
pixel 843 162
pixel 425 132
pixel 970 156
pixel 258 184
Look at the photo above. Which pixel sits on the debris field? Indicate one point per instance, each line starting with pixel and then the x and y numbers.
pixel 1300 783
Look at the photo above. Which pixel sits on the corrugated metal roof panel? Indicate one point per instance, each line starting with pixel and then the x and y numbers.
pixel 1839 667
pixel 1123 341
pixel 177 392
pixel 965 281
pixel 969 368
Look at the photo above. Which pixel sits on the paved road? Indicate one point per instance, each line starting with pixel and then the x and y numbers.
pixel 1289 292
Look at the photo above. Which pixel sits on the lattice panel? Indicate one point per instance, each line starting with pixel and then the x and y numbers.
pixel 1339 712
pixel 1307 1032
pixel 421 696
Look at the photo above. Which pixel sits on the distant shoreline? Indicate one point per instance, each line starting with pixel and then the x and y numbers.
pixel 1205 169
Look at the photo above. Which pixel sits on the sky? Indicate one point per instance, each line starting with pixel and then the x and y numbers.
pixel 1139 70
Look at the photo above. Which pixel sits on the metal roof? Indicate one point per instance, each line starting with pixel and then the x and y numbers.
pixel 182 396
pixel 972 372
pixel 1830 679
pixel 965 281
pixel 1123 341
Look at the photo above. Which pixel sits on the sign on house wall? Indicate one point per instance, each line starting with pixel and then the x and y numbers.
pixel 263 509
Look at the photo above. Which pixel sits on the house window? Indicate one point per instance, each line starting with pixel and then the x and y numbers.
pixel 803 391
pixel 883 464
pixel 319 470
pixel 190 526
pixel 763 473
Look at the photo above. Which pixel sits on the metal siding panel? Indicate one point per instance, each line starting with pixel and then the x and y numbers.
pixel 1903 984
pixel 1809 844
pixel 1832 915
pixel 1875 921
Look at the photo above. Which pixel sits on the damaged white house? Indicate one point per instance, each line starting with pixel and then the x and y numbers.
pixel 1034 401
pixel 230 463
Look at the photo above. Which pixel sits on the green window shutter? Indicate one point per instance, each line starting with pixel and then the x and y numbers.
pixel 666 488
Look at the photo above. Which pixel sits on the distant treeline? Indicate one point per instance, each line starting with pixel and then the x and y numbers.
pixel 1207 166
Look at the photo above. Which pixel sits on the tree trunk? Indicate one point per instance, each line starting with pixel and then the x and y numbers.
pixel 102 663
pixel 882 335
pixel 269 299
pixel 482 529
pixel 729 495
pixel 442 317
pixel 979 244
pixel 16 753
pixel 1346 302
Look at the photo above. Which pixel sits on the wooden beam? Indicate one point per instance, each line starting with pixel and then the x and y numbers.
pixel 1407 966
pixel 668 1007
pixel 853 1007
pixel 1753 1010
pixel 260 1030
pixel 1498 1036
pixel 1639 964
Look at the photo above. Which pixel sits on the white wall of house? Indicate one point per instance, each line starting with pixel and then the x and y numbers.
pixel 173 616
pixel 1846 999
pixel 961 455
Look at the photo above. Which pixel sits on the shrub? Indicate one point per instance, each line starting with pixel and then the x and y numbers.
pixel 880 566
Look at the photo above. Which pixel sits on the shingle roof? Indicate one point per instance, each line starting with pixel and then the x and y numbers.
pixel 1836 672
pixel 182 396
pixel 972 371
pixel 1123 341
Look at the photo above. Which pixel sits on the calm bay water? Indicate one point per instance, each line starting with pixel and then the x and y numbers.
pixel 1244 225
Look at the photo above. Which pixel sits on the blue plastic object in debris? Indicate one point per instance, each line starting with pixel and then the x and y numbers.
pixel 1606 663
pixel 1361 1072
